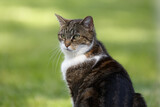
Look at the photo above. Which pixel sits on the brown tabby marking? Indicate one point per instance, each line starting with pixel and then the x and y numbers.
pixel 94 78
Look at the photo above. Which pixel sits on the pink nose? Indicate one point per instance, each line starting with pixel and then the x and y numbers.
pixel 67 43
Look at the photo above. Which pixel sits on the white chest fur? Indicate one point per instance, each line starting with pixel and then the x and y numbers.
pixel 74 61
pixel 71 62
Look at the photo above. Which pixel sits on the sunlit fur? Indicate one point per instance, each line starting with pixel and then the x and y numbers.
pixel 94 78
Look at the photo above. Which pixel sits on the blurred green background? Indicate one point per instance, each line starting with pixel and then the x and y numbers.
pixel 29 50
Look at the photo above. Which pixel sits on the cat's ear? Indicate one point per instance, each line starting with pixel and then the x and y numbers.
pixel 87 22
pixel 62 21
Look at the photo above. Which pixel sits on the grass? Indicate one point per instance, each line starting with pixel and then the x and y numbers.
pixel 30 61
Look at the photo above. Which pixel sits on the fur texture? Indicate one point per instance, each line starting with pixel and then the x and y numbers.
pixel 94 78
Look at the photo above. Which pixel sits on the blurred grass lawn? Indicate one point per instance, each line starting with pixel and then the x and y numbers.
pixel 29 67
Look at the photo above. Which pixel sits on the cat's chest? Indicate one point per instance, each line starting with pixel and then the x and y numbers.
pixel 78 64
pixel 67 63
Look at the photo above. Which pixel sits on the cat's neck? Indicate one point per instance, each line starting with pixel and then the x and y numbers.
pixel 96 48
pixel 73 54
pixel 94 52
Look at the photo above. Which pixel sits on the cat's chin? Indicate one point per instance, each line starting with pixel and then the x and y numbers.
pixel 69 50
pixel 69 54
pixel 80 50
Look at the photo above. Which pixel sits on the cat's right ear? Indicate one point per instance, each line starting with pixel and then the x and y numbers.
pixel 62 21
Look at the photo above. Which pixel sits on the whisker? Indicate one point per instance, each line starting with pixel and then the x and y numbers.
pixel 55 57
pixel 53 53
pixel 52 50
pixel 58 60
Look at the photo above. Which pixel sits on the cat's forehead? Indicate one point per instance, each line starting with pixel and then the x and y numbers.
pixel 73 25
pixel 75 21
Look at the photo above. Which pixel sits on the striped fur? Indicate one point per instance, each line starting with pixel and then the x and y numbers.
pixel 94 78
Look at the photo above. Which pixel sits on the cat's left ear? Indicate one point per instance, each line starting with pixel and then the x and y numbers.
pixel 87 22
pixel 62 20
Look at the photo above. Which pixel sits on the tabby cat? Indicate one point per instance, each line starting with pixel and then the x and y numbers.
pixel 93 77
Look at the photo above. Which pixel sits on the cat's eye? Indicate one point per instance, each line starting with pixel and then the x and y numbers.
pixel 62 36
pixel 76 36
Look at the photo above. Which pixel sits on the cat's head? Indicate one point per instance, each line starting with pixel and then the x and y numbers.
pixel 76 36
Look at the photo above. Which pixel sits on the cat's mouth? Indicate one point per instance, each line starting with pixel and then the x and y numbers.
pixel 68 49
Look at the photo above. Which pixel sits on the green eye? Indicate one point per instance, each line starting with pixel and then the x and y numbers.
pixel 76 36
pixel 62 36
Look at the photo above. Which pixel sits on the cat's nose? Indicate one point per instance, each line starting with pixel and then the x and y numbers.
pixel 67 43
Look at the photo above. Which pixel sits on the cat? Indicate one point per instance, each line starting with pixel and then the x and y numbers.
pixel 93 77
